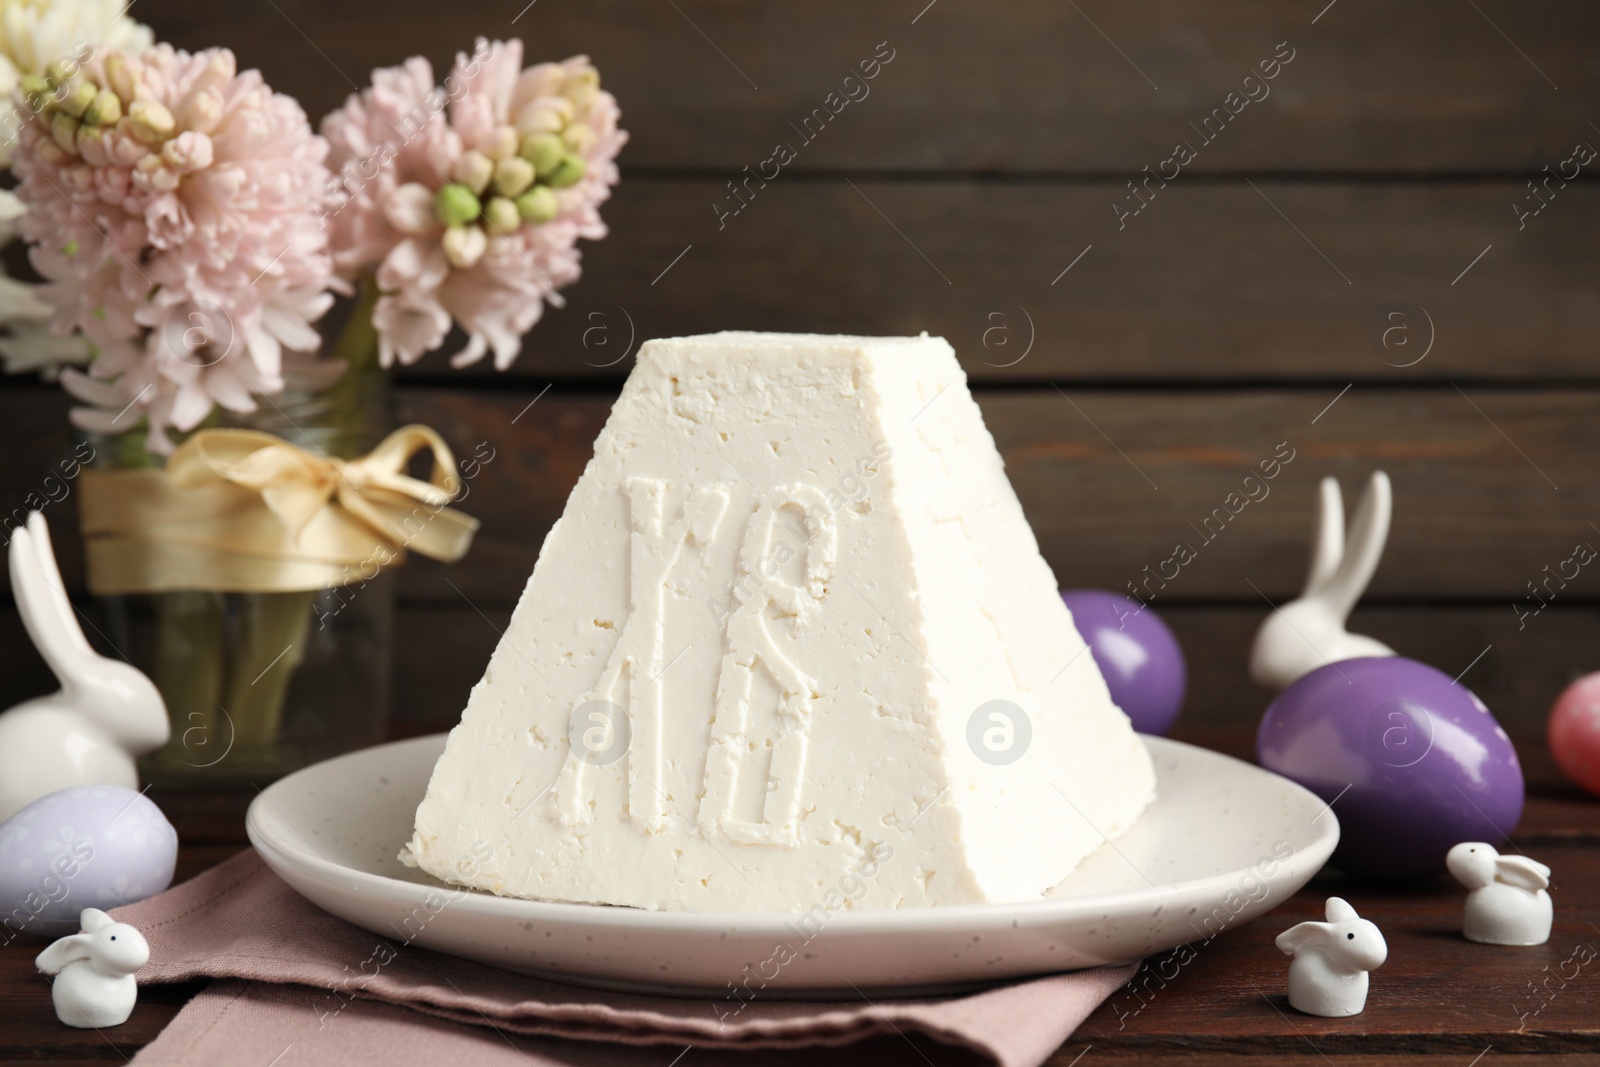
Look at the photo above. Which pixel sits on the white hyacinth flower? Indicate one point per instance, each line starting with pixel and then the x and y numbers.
pixel 33 35
pixel 36 33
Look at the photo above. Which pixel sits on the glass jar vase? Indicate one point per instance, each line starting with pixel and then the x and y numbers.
pixel 258 684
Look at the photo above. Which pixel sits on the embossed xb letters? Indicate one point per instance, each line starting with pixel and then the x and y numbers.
pixel 654 549
pixel 751 648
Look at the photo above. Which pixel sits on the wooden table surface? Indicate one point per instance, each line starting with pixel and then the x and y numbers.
pixel 1438 999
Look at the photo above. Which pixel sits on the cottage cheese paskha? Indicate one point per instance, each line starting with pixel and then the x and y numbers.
pixel 792 626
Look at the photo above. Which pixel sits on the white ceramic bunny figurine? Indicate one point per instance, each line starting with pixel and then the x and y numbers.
pixel 1308 633
pixel 106 712
pixel 1507 904
pixel 1328 975
pixel 94 984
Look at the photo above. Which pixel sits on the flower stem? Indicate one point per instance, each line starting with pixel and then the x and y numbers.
pixel 272 642
pixel 344 417
pixel 189 666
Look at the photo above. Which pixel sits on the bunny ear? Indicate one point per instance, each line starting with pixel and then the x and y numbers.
pixel 1328 547
pixel 1522 872
pixel 1298 937
pixel 1340 911
pixel 1368 534
pixel 48 567
pixel 62 952
pixel 92 919
pixel 46 612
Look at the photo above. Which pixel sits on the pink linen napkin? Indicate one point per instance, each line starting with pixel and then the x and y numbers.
pixel 323 991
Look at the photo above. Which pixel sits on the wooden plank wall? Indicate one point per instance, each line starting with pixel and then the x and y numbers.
pixel 1348 263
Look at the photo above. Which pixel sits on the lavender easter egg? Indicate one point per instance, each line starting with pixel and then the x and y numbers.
pixel 1137 654
pixel 1574 732
pixel 87 846
pixel 1411 762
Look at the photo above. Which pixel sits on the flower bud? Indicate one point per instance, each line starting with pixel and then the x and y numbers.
pixel 32 85
pixel 546 114
pixel 543 150
pixel 583 86
pixel 187 152
pixel 120 77
pixel 456 205
pixel 537 205
pixel 124 148
pixel 543 79
pixel 410 208
pixel 464 245
pixel 201 111
pixel 579 137
pixel 568 172
pixel 64 129
pixel 92 145
pixel 501 216
pixel 104 110
pixel 165 179
pixel 500 144
pixel 220 69
pixel 77 98
pixel 474 170
pixel 513 176
pixel 150 121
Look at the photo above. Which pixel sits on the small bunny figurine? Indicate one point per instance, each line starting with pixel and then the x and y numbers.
pixel 94 984
pixel 1507 904
pixel 106 712
pixel 1308 633
pixel 1328 975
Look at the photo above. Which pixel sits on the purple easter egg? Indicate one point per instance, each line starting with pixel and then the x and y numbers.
pixel 1411 762
pixel 1138 656
pixel 86 846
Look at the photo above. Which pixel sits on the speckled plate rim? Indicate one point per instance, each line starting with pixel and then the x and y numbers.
pixel 473 920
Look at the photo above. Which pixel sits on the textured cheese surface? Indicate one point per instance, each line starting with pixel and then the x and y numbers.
pixel 756 665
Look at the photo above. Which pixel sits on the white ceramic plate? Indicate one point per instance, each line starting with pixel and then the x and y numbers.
pixel 1223 843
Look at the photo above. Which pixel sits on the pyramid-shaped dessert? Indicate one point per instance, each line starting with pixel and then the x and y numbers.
pixel 791 642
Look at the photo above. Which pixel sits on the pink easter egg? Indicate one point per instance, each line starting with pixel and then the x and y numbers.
pixel 1574 732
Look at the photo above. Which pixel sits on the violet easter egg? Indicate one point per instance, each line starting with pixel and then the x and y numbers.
pixel 87 846
pixel 1573 732
pixel 1410 762
pixel 1137 654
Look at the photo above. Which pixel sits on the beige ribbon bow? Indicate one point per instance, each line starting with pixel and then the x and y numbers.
pixel 245 511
